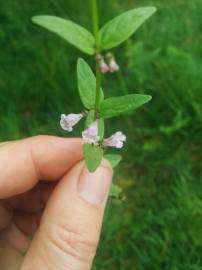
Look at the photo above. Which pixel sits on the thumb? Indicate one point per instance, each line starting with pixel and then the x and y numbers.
pixel 70 227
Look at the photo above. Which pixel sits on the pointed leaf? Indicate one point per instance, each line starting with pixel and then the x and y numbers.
pixel 122 27
pixel 113 159
pixel 87 84
pixel 115 191
pixel 93 156
pixel 70 31
pixel 119 105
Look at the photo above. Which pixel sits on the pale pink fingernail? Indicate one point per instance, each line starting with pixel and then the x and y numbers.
pixel 94 187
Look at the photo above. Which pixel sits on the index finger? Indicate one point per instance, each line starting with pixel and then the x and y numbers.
pixel 24 163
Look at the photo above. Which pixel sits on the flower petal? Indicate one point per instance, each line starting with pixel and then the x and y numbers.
pixel 116 140
pixel 68 121
pixel 91 133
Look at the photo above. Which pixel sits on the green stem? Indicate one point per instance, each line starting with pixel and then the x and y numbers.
pixel 98 89
pixel 95 22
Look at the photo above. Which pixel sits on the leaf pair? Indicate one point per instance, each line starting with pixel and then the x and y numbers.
pixel 110 107
pixel 110 35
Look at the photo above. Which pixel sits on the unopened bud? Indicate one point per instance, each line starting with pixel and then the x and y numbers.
pixel 113 66
pixel 104 68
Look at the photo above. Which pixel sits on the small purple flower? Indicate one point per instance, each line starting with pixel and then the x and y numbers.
pixel 116 140
pixel 68 121
pixel 113 66
pixel 91 133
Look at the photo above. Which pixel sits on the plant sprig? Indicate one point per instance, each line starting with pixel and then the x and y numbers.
pixel 96 107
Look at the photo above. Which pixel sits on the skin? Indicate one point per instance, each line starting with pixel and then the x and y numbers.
pixel 44 222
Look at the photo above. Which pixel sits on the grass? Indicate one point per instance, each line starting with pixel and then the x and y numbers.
pixel 158 225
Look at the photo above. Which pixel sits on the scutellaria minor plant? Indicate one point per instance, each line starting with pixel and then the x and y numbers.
pixel 96 108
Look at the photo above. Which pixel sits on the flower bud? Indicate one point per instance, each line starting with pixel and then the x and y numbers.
pixel 113 66
pixel 104 68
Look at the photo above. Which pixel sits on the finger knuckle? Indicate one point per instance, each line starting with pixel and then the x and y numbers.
pixel 73 243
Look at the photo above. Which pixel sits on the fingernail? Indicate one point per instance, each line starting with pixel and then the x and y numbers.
pixel 94 187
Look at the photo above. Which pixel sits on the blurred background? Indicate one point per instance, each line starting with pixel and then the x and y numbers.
pixel 158 224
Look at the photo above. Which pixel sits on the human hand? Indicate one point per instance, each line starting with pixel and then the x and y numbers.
pixel 51 207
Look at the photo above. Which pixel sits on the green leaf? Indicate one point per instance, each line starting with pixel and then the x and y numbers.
pixel 70 31
pixel 113 159
pixel 119 105
pixel 122 27
pixel 101 128
pixel 115 191
pixel 93 156
pixel 87 84
pixel 90 118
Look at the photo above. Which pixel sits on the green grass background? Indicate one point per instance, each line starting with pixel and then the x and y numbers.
pixel 158 224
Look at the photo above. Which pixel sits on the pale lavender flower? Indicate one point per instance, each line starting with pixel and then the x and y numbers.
pixel 68 121
pixel 91 133
pixel 116 140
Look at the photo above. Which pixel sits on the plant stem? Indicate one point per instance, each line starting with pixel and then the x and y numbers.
pixel 95 22
pixel 98 89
